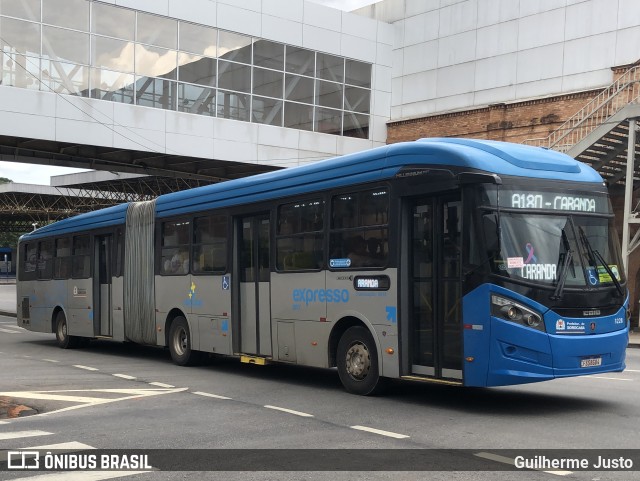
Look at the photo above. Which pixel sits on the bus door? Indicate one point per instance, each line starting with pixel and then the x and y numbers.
pixel 253 303
pixel 435 305
pixel 102 285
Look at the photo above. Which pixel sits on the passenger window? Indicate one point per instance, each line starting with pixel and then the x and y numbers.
pixel 62 260
pixel 45 259
pixel 81 257
pixel 359 229
pixel 175 248
pixel 29 261
pixel 210 237
pixel 300 236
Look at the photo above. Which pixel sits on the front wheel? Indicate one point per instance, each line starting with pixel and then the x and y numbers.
pixel 357 360
pixel 64 340
pixel 180 343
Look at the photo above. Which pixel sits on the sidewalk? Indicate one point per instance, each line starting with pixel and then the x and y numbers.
pixel 8 308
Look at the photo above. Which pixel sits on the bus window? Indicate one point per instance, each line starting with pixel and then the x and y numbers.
pixel 62 261
pixel 175 248
pixel 119 254
pixel 299 236
pixel 29 261
pixel 359 229
pixel 81 257
pixel 45 259
pixel 210 244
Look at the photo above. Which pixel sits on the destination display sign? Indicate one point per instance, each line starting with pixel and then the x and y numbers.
pixel 563 201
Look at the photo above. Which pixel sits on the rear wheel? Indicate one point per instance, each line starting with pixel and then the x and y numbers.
pixel 357 360
pixel 64 340
pixel 180 343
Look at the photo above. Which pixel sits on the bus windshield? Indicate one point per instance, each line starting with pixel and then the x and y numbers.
pixel 532 243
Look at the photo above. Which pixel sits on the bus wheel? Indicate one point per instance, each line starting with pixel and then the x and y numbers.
pixel 64 340
pixel 357 361
pixel 180 343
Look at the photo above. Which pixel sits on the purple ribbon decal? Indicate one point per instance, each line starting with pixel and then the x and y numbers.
pixel 531 257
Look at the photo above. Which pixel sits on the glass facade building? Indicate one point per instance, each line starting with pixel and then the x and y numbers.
pixel 98 50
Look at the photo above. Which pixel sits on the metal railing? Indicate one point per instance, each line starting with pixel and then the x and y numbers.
pixel 607 103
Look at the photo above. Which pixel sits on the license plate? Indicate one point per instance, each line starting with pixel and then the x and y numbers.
pixel 591 362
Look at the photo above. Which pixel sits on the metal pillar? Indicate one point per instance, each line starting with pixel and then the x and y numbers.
pixel 629 216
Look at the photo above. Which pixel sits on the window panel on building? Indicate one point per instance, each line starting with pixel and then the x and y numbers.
pixel 298 89
pixel 155 92
pixel 113 21
pixel 198 39
pixel 156 30
pixel 27 9
pixel 300 61
pixel 328 121
pixel 112 86
pixel 156 62
pixel 356 125
pixel 358 73
pixel 66 13
pixel 19 71
pixel 267 82
pixel 196 70
pixel 330 67
pixel 233 46
pixel 234 76
pixel 196 100
pixel 268 54
pixel 112 54
pixel 357 99
pixel 266 111
pixel 65 45
pixel 19 36
pixel 233 105
pixel 329 94
pixel 298 116
pixel 65 78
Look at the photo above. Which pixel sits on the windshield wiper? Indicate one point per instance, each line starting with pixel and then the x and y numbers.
pixel 594 256
pixel 564 269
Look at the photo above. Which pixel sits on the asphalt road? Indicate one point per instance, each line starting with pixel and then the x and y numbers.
pixel 118 396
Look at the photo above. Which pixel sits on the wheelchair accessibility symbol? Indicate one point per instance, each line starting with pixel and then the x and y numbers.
pixel 593 279
pixel 226 283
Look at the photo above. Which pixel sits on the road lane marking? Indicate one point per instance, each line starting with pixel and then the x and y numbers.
pixel 290 411
pixel 380 432
pixel 50 360
pixel 125 376
pixel 612 378
pixel 8 331
pixel 512 462
pixel 161 384
pixel 206 394
pixel 22 434
pixel 82 476
pixel 59 447
pixel 631 370
pixel 4 422
pixel 86 368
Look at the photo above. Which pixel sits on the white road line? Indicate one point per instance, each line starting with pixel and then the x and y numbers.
pixel 206 394
pixel 161 384
pixel 631 370
pixel 22 434
pixel 612 378
pixel 124 376
pixel 4 422
pixel 290 411
pixel 9 331
pixel 86 368
pixel 505 460
pixel 59 447
pixel 50 360
pixel 380 432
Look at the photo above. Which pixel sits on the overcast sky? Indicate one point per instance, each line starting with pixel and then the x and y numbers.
pixel 40 174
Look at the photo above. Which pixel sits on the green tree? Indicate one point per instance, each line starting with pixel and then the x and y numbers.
pixel 4 180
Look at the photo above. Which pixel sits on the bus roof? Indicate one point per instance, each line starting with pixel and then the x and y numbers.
pixel 381 163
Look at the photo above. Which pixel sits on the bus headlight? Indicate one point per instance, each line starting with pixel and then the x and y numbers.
pixel 510 310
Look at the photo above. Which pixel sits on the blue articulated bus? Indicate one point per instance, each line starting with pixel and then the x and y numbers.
pixel 457 261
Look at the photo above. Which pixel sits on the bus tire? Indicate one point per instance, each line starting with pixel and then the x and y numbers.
pixel 180 343
pixel 357 360
pixel 64 340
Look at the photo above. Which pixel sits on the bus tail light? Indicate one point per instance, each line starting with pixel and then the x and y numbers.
pixel 510 310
